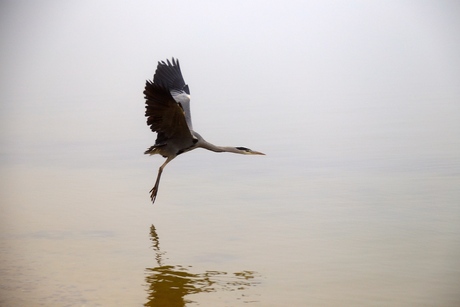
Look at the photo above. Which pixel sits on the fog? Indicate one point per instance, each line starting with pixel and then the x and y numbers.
pixel 73 72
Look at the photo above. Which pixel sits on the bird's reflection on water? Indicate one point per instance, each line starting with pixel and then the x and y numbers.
pixel 169 284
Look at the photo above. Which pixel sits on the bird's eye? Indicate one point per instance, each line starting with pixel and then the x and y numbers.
pixel 243 148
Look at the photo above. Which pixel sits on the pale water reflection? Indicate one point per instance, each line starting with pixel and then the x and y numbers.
pixel 173 285
pixel 332 237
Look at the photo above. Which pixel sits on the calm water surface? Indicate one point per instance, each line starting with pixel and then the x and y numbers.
pixel 353 224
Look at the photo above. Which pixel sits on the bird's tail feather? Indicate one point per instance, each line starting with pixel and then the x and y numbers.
pixel 152 150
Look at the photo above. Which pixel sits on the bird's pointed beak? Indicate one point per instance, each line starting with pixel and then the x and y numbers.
pixel 253 152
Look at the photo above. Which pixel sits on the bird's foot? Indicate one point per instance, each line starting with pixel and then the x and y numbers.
pixel 153 193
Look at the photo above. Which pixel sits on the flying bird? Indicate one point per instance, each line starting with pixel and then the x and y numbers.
pixel 167 108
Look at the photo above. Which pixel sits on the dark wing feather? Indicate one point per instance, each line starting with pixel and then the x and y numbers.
pixel 165 117
pixel 169 76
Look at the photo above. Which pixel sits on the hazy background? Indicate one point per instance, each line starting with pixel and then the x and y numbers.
pixel 73 74
pixel 353 101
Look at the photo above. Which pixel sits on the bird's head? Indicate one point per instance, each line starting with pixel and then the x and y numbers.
pixel 247 151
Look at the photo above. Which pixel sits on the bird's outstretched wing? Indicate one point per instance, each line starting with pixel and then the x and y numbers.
pixel 169 76
pixel 166 117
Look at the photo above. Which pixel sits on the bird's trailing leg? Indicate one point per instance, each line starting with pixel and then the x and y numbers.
pixel 154 190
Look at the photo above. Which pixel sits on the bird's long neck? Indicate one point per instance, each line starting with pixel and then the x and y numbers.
pixel 206 145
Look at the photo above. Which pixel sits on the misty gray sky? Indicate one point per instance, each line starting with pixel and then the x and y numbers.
pixel 306 75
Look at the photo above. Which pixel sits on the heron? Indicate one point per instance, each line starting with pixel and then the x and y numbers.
pixel 167 108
